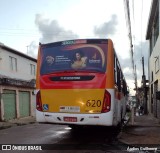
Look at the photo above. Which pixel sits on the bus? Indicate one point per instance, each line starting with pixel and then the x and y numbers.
pixel 80 82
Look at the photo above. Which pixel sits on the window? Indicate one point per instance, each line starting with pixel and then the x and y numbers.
pixel 157 64
pixel 13 63
pixel 124 87
pixel 154 36
pixel 151 44
pixel 115 69
pixel 69 58
pixel 152 76
pixel 118 76
pixel 32 69
pixel 156 28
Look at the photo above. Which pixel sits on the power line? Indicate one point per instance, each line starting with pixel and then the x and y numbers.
pixel 128 21
pixel 141 25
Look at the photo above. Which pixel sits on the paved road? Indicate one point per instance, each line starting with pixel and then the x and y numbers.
pixel 61 138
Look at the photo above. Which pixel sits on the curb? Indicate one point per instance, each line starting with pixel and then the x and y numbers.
pixel 17 122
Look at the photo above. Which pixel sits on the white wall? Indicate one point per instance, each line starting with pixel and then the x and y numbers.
pixel 23 66
pixel 155 66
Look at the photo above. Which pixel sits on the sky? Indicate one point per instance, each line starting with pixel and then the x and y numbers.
pixel 26 23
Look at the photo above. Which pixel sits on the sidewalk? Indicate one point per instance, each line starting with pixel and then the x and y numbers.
pixel 145 130
pixel 17 122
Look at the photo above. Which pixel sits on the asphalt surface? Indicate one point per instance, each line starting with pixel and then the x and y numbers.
pixel 59 138
pixel 144 130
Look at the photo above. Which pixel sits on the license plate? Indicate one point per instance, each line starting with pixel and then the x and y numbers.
pixel 70 119
pixel 70 109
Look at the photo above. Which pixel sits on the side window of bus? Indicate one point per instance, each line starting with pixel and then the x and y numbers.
pixel 115 69
pixel 118 77
pixel 124 87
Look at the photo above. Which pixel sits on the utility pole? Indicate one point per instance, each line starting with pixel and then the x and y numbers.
pixel 135 73
pixel 135 76
pixel 128 20
pixel 144 88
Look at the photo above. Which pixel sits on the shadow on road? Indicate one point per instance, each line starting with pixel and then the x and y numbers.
pixel 94 138
pixel 95 134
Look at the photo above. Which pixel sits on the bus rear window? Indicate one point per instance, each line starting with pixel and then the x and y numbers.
pixel 79 57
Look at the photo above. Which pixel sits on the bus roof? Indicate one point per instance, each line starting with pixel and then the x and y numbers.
pixel 76 41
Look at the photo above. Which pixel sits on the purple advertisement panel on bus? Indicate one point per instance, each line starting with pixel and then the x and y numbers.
pixel 79 57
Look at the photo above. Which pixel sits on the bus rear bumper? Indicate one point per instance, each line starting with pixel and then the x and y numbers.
pixel 103 119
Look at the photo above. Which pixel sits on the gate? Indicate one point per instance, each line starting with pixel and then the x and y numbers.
pixel 24 103
pixel 9 101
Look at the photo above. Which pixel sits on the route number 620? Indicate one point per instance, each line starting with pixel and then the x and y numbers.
pixel 93 103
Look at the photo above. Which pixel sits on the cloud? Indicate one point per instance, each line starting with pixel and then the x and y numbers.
pixel 107 28
pixel 32 49
pixel 140 50
pixel 51 31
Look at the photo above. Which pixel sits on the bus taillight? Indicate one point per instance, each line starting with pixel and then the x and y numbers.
pixel 38 101
pixel 106 102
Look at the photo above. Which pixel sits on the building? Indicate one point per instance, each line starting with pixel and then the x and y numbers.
pixel 152 35
pixel 17 84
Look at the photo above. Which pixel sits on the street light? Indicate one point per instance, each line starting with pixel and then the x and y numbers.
pixel 27 48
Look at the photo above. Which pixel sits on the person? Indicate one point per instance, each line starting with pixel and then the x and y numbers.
pixel 141 110
pixel 79 62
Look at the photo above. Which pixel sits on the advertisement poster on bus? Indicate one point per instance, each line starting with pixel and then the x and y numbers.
pixel 79 57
